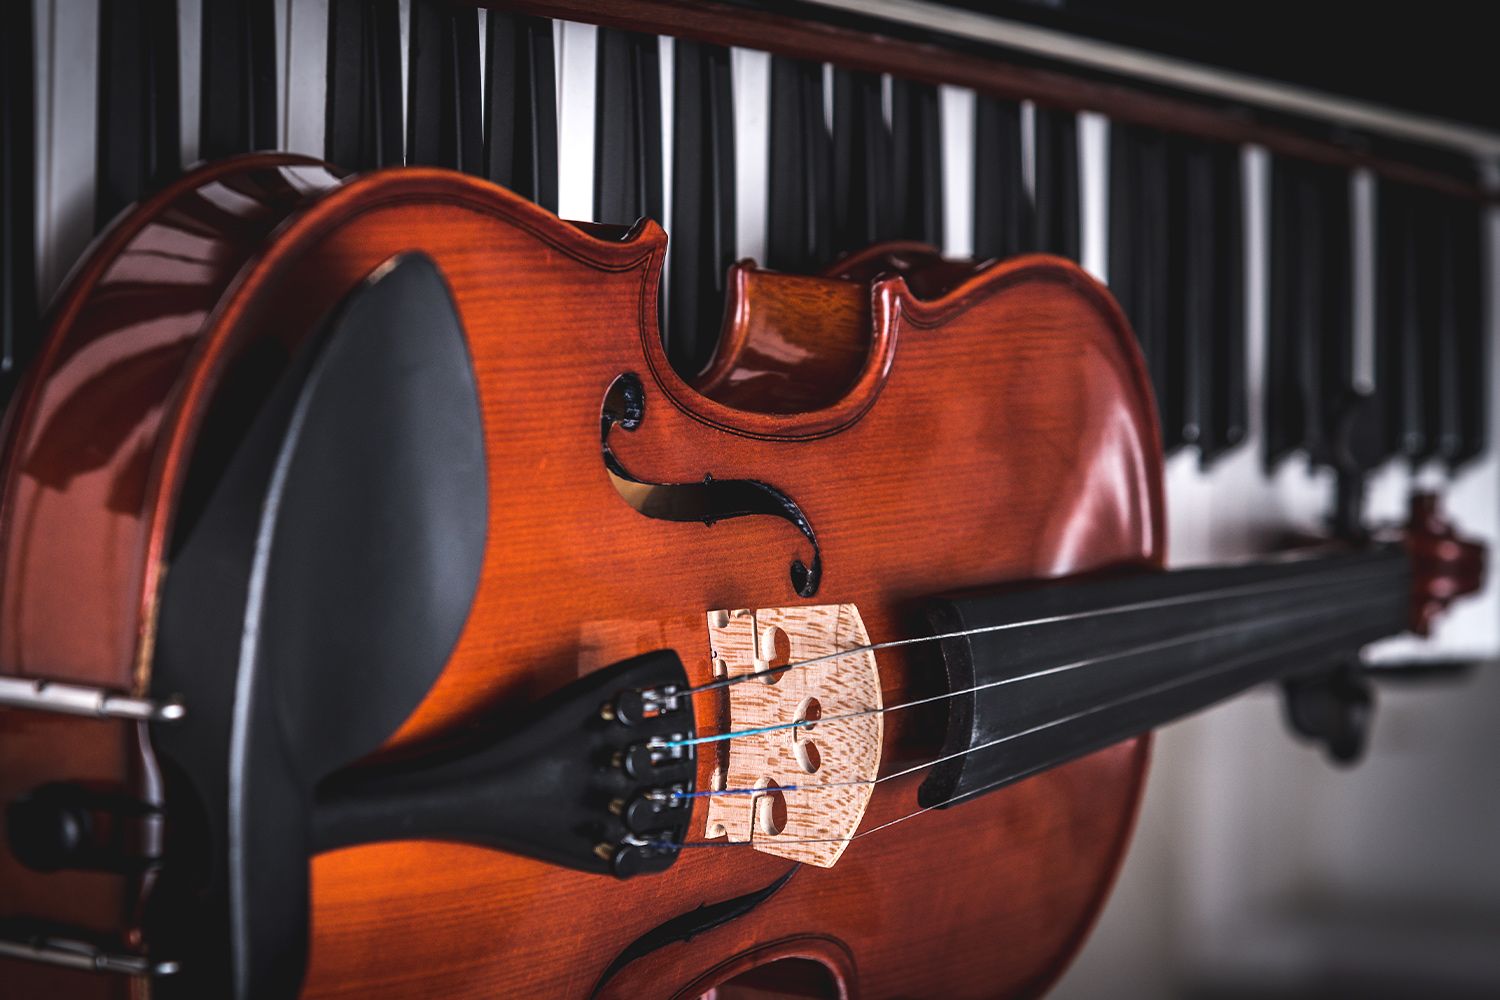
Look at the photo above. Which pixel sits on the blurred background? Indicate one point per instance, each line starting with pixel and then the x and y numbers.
pixel 1260 869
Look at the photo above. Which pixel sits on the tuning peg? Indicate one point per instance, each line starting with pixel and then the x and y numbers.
pixel 1444 566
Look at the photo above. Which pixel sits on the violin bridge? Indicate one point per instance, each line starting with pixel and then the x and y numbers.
pixel 793 817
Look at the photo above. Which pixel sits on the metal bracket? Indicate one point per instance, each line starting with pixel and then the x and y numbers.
pixel 74 953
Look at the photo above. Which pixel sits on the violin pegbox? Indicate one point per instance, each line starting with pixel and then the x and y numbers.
pixel 816 778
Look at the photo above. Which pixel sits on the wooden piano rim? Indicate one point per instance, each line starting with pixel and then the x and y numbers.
pixel 721 24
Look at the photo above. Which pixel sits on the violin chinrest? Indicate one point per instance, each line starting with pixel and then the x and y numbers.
pixel 317 596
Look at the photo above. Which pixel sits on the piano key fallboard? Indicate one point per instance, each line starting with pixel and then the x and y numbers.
pixel 1265 289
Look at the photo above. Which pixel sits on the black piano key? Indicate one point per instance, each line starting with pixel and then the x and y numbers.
pixel 1434 329
pixel 238 99
pixel 520 142
pixel 1168 287
pixel 1154 273
pixel 139 132
pixel 1310 337
pixel 1002 211
pixel 1403 285
pixel 1467 435
pixel 1203 402
pixel 1153 256
pixel 443 119
pixel 916 168
pixel 1124 216
pixel 1334 316
pixel 363 107
pixel 1057 183
pixel 861 162
pixel 1194 244
pixel 799 231
pixel 1140 256
pixel 1389 305
pixel 1284 411
pixel 627 136
pixel 1443 331
pixel 1227 413
pixel 703 223
pixel 18 297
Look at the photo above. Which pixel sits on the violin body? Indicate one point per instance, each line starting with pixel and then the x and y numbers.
pixel 1000 429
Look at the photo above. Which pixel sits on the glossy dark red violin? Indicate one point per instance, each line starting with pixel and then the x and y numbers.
pixel 382 616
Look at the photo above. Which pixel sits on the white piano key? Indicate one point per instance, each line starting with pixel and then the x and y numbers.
pixel 956 110
pixel 575 121
pixel 41 30
pixel 67 137
pixel 828 97
pixel 281 16
pixel 1362 217
pixel 190 76
pixel 305 93
pixel 484 64
pixel 557 46
pixel 1255 167
pixel 751 80
pixel 1093 193
pixel 668 74
pixel 405 61
pixel 1028 149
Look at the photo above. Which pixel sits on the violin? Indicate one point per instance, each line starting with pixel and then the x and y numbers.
pixel 382 615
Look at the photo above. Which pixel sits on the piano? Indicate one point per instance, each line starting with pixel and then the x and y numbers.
pixel 1302 269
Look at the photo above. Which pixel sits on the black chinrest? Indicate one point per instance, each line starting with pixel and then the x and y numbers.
pixel 311 604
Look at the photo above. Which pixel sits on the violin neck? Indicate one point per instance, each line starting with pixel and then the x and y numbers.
pixel 1047 674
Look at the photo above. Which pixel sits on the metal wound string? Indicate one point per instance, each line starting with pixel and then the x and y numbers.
pixel 1121 654
pixel 1081 714
pixel 1306 582
pixel 1149 647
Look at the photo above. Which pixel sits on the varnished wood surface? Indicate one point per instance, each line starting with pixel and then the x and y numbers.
pixel 80 523
pixel 1002 431
pixel 795 343
pixel 82 473
pixel 789 343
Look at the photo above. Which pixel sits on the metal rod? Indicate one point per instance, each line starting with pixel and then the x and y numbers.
pixel 71 954
pixel 1175 72
pixel 77 699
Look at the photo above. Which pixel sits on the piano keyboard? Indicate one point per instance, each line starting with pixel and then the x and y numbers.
pixel 1265 291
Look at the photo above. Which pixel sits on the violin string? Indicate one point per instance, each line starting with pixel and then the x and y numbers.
pixel 1311 580
pixel 1083 713
pixel 1150 647
pixel 1146 692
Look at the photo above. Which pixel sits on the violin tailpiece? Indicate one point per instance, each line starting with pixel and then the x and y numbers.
pixel 793 818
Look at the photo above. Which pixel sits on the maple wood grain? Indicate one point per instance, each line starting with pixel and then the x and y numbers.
pixel 1001 431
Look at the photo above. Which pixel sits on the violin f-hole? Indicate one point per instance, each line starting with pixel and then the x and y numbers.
pixel 707 501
